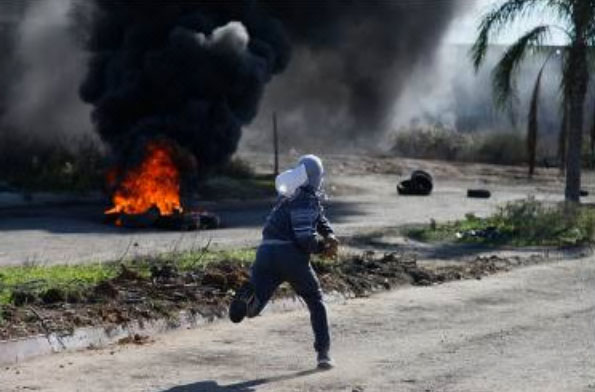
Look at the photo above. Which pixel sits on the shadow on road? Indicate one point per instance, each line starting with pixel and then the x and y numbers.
pixel 246 386
pixel 88 218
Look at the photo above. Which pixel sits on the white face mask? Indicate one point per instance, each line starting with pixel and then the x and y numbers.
pixel 288 182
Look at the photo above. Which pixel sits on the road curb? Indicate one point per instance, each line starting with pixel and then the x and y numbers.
pixel 18 350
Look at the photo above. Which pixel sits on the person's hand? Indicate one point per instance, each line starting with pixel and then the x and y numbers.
pixel 331 247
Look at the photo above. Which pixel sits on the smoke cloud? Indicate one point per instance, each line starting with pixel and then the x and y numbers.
pixel 43 67
pixel 450 94
pixel 350 63
pixel 195 71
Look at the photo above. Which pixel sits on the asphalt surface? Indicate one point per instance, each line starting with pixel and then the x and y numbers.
pixel 74 233
pixel 528 330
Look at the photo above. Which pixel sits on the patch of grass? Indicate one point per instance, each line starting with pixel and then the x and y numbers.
pixel 18 283
pixel 441 233
pixel 190 260
pixel 521 223
pixel 35 280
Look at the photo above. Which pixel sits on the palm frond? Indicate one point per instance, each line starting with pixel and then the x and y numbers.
pixel 532 122
pixel 562 9
pixel 503 74
pixel 494 21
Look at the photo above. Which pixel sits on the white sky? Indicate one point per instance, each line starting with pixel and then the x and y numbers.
pixel 464 28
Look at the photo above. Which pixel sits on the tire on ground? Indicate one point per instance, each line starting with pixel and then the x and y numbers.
pixel 420 184
pixel 479 193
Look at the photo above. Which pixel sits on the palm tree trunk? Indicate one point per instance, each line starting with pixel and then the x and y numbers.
pixel 592 140
pixel 562 139
pixel 577 78
pixel 574 161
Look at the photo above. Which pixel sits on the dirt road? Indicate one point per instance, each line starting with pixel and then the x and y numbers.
pixel 529 330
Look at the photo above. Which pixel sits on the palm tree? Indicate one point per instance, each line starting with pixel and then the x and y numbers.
pixel 578 25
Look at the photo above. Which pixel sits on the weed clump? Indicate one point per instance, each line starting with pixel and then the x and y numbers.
pixel 521 223
pixel 75 165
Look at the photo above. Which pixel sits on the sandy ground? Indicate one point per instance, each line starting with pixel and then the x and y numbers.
pixel 363 197
pixel 528 330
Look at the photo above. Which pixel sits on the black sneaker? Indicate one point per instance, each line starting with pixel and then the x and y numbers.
pixel 239 305
pixel 325 362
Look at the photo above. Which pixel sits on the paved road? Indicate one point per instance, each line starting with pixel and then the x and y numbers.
pixel 528 330
pixel 77 234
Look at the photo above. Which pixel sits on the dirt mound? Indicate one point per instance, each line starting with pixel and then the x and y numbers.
pixel 371 271
pixel 128 297
pixel 166 291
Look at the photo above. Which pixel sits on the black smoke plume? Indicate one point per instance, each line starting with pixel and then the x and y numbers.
pixel 189 71
pixel 194 71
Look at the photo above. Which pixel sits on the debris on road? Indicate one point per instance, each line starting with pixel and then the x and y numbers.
pixel 490 233
pixel 136 339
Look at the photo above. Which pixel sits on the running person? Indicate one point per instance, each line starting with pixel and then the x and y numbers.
pixel 295 229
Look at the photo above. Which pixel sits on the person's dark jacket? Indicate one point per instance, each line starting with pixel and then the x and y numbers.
pixel 299 219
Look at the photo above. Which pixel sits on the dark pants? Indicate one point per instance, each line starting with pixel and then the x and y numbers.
pixel 280 263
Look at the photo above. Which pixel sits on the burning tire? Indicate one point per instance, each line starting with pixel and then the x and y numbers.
pixel 189 221
pixel 179 221
pixel 138 221
pixel 149 194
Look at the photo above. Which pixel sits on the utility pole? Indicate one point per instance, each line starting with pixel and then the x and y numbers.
pixel 276 144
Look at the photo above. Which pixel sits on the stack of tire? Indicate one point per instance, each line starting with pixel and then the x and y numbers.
pixel 420 183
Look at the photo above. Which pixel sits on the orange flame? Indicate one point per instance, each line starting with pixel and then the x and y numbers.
pixel 154 183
